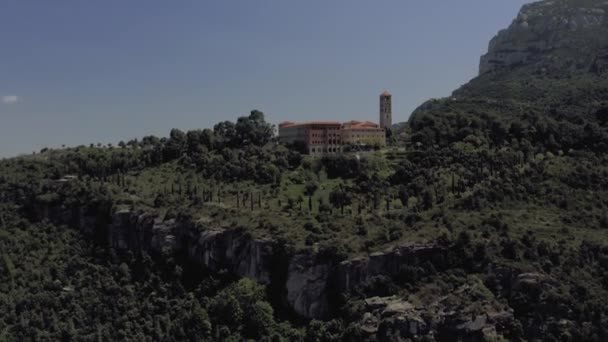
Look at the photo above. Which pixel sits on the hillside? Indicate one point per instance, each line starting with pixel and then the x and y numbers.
pixel 490 227
pixel 544 78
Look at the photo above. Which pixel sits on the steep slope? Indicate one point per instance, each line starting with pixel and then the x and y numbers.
pixel 564 35
pixel 549 66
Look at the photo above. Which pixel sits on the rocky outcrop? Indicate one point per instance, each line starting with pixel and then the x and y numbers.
pixel 388 263
pixel 548 34
pixel 233 250
pixel 214 249
pixel 391 318
pixel 308 281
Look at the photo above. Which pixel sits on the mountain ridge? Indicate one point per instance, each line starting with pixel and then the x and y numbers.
pixel 545 75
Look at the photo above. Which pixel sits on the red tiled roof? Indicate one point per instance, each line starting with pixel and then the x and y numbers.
pixel 361 124
pixel 354 124
pixel 328 123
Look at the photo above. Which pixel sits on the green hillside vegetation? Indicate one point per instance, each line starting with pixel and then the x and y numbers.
pixel 532 207
pixel 509 176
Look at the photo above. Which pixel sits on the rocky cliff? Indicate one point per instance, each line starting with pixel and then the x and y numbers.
pixel 552 34
pixel 308 280
pixel 308 283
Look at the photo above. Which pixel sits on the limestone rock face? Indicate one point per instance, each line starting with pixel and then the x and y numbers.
pixel 133 231
pixel 388 263
pixel 120 229
pixel 235 251
pixel 164 236
pixel 393 318
pixel 310 281
pixel 550 33
pixel 307 284
pixel 213 249
pixel 305 279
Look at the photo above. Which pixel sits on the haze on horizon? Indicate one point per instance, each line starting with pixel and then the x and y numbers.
pixel 78 72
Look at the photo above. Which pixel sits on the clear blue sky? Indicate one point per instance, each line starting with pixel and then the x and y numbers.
pixel 75 72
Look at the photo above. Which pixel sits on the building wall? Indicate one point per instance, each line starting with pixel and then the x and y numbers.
pixel 364 136
pixel 363 133
pixel 317 137
pixel 324 139
pixel 321 138
pixel 293 134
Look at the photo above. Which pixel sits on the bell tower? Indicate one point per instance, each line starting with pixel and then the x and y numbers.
pixel 386 114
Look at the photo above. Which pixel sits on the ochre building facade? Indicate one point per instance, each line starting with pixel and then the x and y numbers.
pixel 320 137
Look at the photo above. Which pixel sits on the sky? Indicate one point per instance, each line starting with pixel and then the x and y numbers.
pixel 77 72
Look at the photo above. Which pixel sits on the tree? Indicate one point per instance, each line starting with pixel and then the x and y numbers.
pixel 225 134
pixel 602 116
pixel 207 138
pixel 253 130
pixel 310 188
pixel 176 144
pixel 427 199
pixel 404 173
pixel 340 198
pixel 150 140
pixel 404 195
pixel 604 220
pixel 498 132
pixel 193 141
